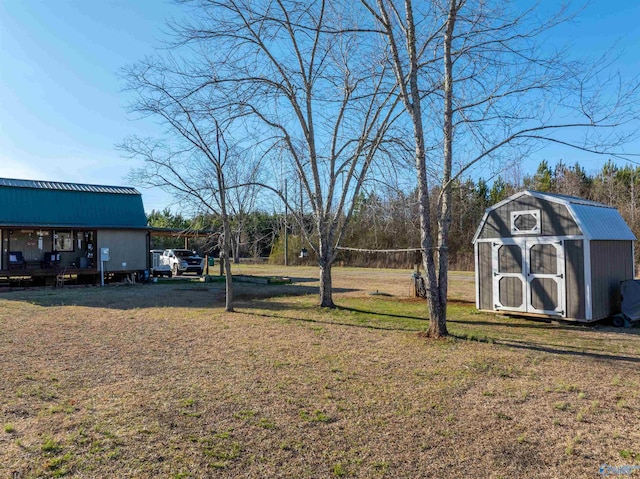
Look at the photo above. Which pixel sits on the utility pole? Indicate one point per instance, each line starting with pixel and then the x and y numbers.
pixel 286 234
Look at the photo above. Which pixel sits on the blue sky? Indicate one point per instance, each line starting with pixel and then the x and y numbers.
pixel 61 108
pixel 62 111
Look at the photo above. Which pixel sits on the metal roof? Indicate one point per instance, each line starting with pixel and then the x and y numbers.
pixel 72 205
pixel 598 223
pixel 565 199
pixel 55 185
pixel 596 220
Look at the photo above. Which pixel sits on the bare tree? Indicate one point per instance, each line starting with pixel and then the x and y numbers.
pixel 242 200
pixel 309 87
pixel 477 86
pixel 193 158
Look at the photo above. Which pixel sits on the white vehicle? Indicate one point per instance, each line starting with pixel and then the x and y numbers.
pixel 172 262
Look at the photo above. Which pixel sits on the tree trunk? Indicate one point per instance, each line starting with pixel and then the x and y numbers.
pixel 225 258
pixel 228 281
pixel 325 261
pixel 437 307
pixel 236 248
pixel 326 295
pixel 438 304
pixel 225 247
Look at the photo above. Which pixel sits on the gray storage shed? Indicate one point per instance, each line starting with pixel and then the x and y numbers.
pixel 552 255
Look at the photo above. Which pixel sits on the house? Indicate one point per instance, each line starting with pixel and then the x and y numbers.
pixel 50 227
pixel 552 255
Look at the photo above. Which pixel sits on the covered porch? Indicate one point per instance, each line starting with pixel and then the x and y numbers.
pixel 47 252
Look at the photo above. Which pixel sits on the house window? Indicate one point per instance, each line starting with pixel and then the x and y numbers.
pixel 63 241
pixel 525 222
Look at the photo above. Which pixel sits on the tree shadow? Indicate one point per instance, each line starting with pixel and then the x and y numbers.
pixel 334 323
pixel 547 325
pixel 259 300
pixel 377 313
pixel 566 351
pixel 165 295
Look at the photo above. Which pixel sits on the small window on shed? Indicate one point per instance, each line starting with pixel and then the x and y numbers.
pixel 525 222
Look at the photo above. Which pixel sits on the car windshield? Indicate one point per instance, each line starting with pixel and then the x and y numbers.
pixel 183 253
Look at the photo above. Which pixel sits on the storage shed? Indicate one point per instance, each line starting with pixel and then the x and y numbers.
pixel 552 255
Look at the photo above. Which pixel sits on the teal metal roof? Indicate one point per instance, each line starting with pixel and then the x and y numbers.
pixel 54 204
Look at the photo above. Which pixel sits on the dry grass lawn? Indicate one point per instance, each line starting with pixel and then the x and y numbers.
pixel 157 381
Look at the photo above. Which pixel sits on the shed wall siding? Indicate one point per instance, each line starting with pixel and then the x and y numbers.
pixel 611 262
pixel 574 273
pixel 125 246
pixel 555 219
pixel 485 283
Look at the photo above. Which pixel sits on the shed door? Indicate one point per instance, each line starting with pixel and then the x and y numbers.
pixel 545 277
pixel 509 284
pixel 528 276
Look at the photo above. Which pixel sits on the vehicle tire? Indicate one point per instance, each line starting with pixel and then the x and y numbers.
pixel 169 274
pixel 199 272
pixel 618 320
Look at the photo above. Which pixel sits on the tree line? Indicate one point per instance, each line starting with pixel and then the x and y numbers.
pixel 389 221
pixel 392 221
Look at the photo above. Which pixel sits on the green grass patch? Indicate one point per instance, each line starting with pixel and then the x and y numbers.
pixel 51 446
pixel 315 416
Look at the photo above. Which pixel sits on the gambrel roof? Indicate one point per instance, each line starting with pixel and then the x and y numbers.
pixel 596 221
pixel 74 205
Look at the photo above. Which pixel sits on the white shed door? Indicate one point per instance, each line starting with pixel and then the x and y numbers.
pixel 545 277
pixel 528 276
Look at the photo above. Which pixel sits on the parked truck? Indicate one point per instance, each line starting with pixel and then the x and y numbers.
pixel 170 262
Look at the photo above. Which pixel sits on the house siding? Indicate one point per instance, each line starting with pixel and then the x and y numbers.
pixel 125 246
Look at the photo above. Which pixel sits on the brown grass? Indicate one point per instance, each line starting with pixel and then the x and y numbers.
pixel 157 381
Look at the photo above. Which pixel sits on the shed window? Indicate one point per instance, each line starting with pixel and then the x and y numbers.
pixel 525 222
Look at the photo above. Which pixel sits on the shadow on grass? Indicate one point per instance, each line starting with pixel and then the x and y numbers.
pixel 540 347
pixel 534 325
pixel 566 351
pixel 545 325
pixel 258 300
pixel 179 294
pixel 336 323
pixel 295 279
pixel 549 324
pixel 377 313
